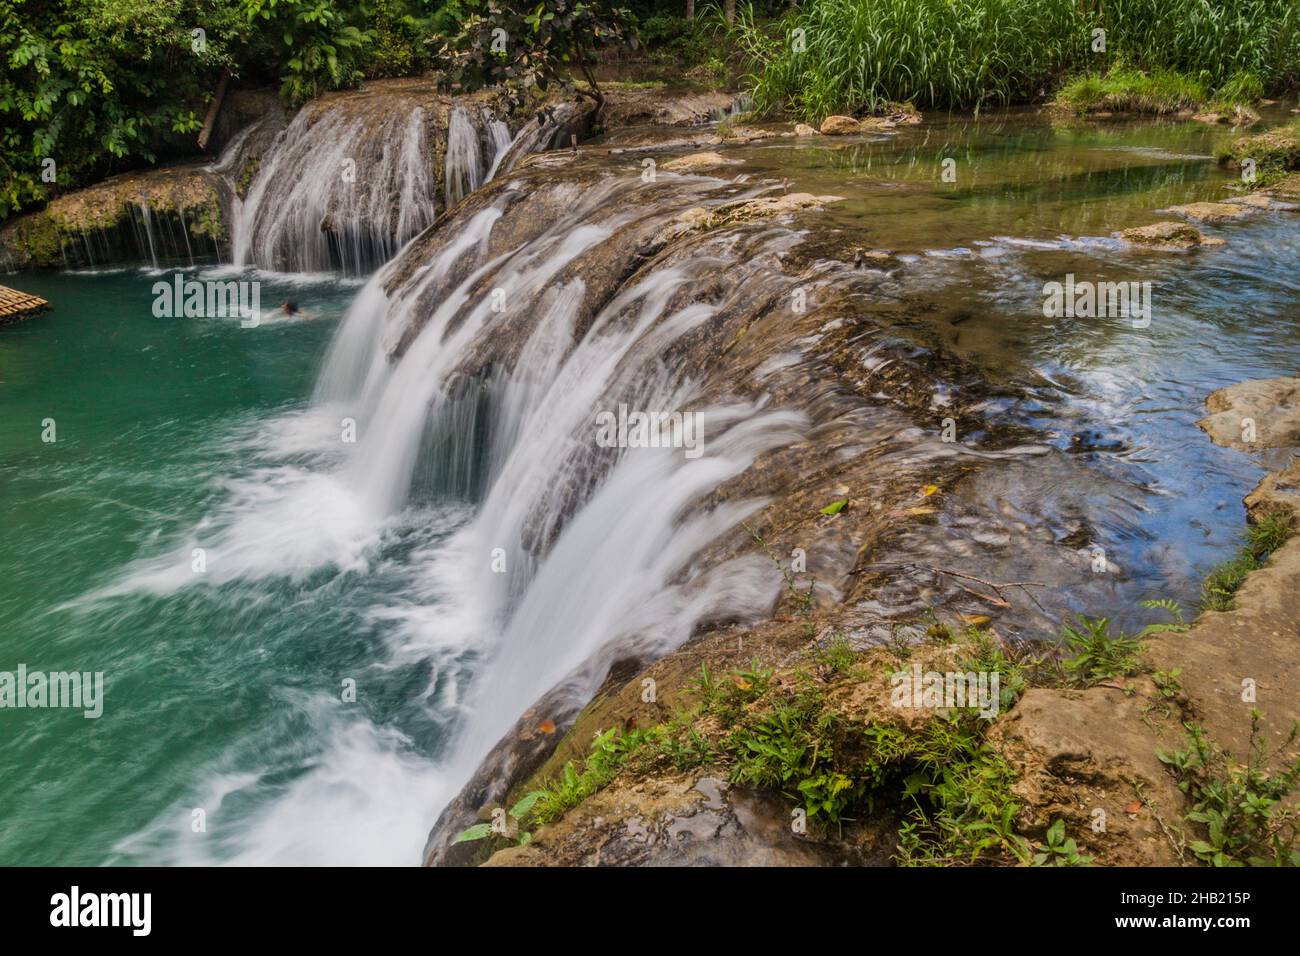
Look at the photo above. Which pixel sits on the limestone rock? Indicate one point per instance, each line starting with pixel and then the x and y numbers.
pixel 1209 211
pixel 1272 405
pixel 840 126
pixel 1168 235
pixel 693 162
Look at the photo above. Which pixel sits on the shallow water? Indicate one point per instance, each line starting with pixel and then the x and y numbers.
pixel 224 688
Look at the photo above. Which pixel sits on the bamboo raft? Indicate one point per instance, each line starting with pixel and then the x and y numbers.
pixel 16 306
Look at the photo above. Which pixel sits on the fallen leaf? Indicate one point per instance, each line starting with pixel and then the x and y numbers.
pixel 928 490
pixel 975 619
pixel 741 682
pixel 1133 807
pixel 835 507
pixel 547 726
pixel 922 511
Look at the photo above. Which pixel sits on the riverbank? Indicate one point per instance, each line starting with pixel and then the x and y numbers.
pixel 786 744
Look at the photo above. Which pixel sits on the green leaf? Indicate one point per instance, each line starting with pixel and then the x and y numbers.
pixel 1056 832
pixel 526 803
pixel 835 507
pixel 476 832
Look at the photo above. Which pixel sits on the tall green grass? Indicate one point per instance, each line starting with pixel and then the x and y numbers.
pixel 1209 40
pixel 838 56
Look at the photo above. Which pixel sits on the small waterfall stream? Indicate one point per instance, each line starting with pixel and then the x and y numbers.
pixel 345 186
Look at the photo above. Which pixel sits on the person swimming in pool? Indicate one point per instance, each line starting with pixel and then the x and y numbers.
pixel 290 308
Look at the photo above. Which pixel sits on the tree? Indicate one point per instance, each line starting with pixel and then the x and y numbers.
pixel 537 46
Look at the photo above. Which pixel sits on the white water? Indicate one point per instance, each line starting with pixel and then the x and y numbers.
pixel 335 190
pixel 599 545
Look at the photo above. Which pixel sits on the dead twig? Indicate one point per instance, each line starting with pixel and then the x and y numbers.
pixel 998 587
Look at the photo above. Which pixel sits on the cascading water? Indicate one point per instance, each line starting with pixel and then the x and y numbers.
pixel 576 553
pixel 339 188
pixel 345 186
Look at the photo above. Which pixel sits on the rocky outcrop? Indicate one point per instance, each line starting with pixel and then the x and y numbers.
pixel 1210 211
pixel 159 214
pixel 1262 413
pixel 840 126
pixel 694 162
pixel 1168 235
pixel 660 105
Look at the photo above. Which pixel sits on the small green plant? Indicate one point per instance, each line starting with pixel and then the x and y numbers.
pixel 1239 806
pixel 960 791
pixel 1265 536
pixel 1165 604
pixel 1096 654
pixel 837 656
pixel 802 597
pixel 513 831
pixel 1061 850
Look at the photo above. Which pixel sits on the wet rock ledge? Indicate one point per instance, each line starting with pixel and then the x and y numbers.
pixel 1074 770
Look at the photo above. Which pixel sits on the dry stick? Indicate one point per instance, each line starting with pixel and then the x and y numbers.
pixel 1023 585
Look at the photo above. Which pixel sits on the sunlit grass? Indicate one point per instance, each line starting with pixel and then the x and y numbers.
pixel 850 56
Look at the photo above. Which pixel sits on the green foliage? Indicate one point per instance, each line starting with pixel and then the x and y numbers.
pixel 1243 87
pixel 1060 850
pixel 99 85
pixel 1265 536
pixel 837 656
pixel 960 791
pixel 1096 654
pixel 1133 91
pixel 861 54
pixel 609 751
pixel 527 46
pixel 91 83
pixel 1240 807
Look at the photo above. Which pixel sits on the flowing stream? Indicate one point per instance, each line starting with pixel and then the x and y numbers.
pixel 402 494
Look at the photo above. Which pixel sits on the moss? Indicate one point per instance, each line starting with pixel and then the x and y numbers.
pixel 1274 153
pixel 1130 91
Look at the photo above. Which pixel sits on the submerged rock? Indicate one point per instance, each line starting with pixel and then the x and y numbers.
pixel 803 129
pixel 1209 211
pixel 697 161
pixel 1238 115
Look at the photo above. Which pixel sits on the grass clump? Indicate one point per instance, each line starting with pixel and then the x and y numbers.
pixel 1129 90
pixel 1239 807
pixel 1265 536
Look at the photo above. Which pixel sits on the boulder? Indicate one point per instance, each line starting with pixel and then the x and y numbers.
pixel 1168 235
pixel 1272 406
pixel 840 126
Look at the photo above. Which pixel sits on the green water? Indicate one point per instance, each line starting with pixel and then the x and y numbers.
pixel 212 688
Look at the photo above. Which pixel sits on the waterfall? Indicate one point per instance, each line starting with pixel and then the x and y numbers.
pixel 464 156
pixel 471 369
pixel 597 551
pixel 349 181
pixel 343 186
